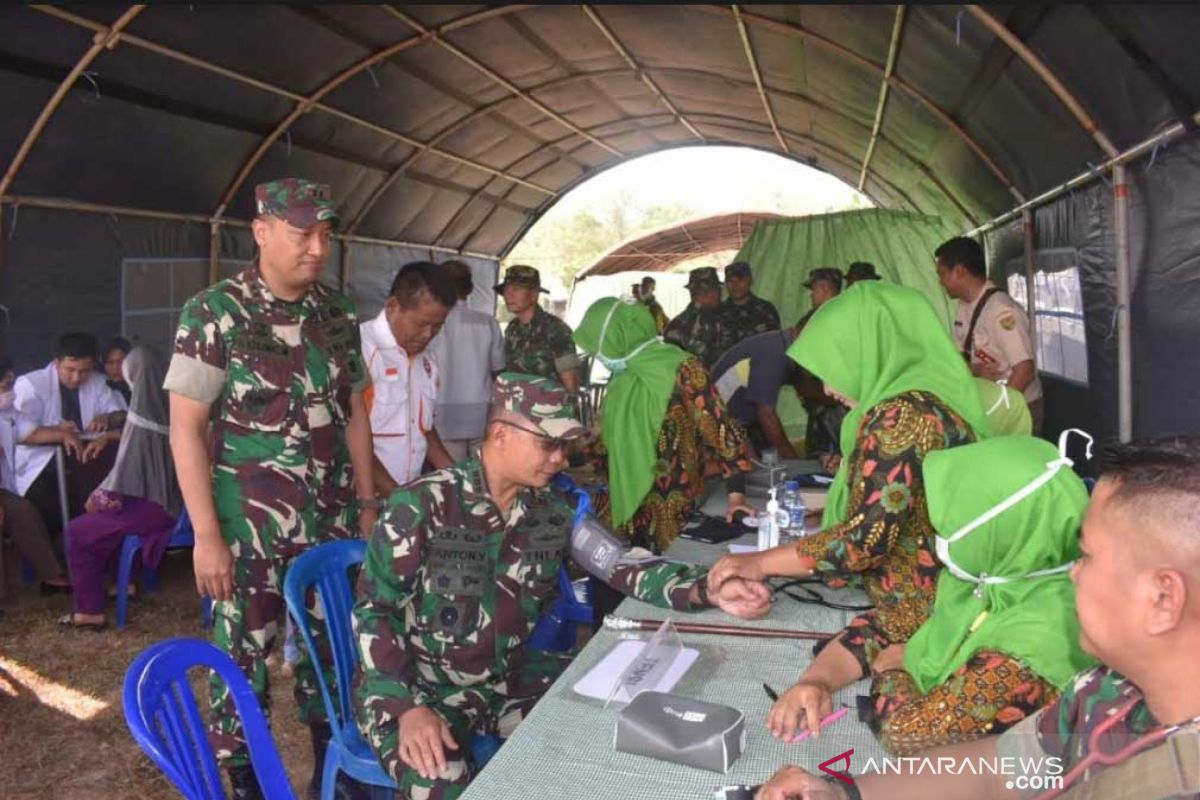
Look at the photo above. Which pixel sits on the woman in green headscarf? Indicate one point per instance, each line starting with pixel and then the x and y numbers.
pixel 881 350
pixel 661 421
pixel 1003 636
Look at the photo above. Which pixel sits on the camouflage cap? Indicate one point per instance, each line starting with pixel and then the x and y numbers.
pixel 827 274
pixel 521 275
pixel 738 269
pixel 542 401
pixel 299 202
pixel 862 271
pixel 703 278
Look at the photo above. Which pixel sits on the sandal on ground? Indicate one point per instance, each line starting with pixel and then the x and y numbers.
pixel 69 621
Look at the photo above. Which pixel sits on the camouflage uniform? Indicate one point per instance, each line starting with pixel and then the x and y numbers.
pixel 543 347
pixel 450 593
pixel 703 332
pixel 749 318
pixel 279 377
pixel 656 311
pixel 1063 728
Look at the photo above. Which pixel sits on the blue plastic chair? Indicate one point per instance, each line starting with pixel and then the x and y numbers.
pixel 165 721
pixel 131 548
pixel 323 569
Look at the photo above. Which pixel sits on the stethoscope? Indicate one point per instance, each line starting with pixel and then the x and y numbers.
pixel 1096 754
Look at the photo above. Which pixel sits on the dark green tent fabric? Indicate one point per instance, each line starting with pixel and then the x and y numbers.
pixel 899 244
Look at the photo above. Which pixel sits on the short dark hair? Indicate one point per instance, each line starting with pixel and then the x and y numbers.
pixel 1160 478
pixel 963 250
pixel 76 345
pixel 118 343
pixel 460 276
pixel 423 276
pixel 649 280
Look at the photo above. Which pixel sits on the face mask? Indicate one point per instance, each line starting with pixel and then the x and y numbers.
pixel 943 543
pixel 618 365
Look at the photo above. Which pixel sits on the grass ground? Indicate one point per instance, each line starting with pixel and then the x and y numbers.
pixel 62 731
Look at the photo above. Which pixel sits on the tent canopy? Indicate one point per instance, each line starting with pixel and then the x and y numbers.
pixel 664 248
pixel 457 126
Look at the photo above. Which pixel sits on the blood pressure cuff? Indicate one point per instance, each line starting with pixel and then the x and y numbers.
pixel 681 730
pixel 594 547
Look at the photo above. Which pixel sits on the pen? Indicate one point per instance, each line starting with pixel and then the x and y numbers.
pixel 771 693
pixel 834 717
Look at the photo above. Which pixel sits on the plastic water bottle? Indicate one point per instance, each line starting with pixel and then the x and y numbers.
pixel 769 524
pixel 794 508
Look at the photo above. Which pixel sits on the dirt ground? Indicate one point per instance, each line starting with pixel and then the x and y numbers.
pixel 62 730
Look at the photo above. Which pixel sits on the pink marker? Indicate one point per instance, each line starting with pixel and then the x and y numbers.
pixel 834 717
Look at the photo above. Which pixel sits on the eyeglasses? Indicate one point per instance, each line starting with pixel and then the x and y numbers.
pixel 549 444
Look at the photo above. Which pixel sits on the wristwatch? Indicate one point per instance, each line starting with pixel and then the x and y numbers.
pixel 372 502
pixel 702 591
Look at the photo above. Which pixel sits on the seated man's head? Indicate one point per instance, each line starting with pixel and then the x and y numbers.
pixel 460 277
pixel 114 357
pixel 823 285
pixel 1138 580
pixel 422 294
pixel 738 280
pixel 530 424
pixel 75 358
pixel 705 287
pixel 961 267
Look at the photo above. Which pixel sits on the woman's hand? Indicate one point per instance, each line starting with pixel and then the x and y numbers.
pixel 809 701
pixel 737 502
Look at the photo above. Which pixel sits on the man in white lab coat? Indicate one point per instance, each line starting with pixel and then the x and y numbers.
pixel 402 398
pixel 68 404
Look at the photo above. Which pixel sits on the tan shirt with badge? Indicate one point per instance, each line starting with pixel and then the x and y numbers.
pixel 1002 337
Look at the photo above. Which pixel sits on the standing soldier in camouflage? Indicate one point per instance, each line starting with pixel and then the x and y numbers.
pixel 271 358
pixel 463 563
pixel 535 341
pixel 651 302
pixel 702 329
pixel 746 314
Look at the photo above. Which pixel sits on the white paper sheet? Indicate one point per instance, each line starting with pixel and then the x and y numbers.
pixel 600 679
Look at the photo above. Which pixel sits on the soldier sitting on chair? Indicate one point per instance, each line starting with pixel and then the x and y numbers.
pixel 457 573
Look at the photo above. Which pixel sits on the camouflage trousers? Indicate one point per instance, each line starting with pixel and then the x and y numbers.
pixel 247 627
pixel 489 709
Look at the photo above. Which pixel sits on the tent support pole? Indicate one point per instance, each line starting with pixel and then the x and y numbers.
pixel 214 250
pixel 344 268
pixel 1030 276
pixel 1124 285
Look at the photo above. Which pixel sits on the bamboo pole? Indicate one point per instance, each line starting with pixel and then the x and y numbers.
pixel 893 54
pixel 104 38
pixel 744 34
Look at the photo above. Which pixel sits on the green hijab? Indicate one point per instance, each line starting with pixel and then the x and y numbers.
pixel 1006 409
pixel 874 341
pixel 635 403
pixel 1031 619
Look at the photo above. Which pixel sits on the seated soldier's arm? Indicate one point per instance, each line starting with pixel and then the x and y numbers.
pixel 1022 375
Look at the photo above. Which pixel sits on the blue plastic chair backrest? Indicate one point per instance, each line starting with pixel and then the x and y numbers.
pixel 583 506
pixel 183 535
pixel 323 569
pixel 162 715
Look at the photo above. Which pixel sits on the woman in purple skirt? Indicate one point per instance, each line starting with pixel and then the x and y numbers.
pixel 140 494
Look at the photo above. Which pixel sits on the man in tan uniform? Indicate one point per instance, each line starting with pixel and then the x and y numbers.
pixel 990 328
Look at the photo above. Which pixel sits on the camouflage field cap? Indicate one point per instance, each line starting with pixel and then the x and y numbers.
pixel 862 271
pixel 827 274
pixel 703 278
pixel 738 269
pixel 299 202
pixel 521 275
pixel 542 401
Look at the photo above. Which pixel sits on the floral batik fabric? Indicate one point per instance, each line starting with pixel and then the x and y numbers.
pixel 697 431
pixel 886 542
